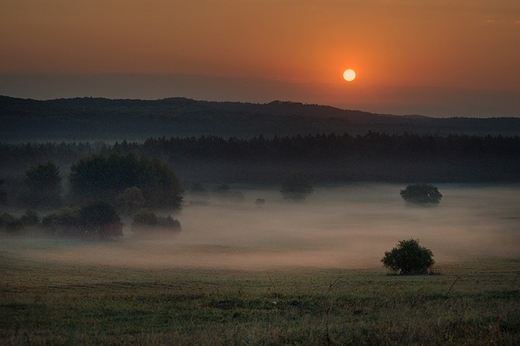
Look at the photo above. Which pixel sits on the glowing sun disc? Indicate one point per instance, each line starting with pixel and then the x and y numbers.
pixel 349 75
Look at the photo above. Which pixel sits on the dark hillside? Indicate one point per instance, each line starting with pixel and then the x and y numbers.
pixel 23 120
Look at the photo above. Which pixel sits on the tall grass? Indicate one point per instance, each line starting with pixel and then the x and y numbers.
pixel 473 303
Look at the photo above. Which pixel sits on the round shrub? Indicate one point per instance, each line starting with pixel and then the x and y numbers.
pixel 408 258
pixel 296 186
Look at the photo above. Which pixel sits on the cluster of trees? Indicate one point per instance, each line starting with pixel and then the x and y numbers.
pixel 107 178
pixel 126 181
pixel 95 220
pixel 100 188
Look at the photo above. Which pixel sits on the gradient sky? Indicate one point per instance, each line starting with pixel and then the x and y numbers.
pixel 430 57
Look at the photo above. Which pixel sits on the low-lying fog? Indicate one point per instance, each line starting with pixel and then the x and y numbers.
pixel 337 227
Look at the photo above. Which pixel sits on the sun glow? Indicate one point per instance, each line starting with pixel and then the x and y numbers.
pixel 349 75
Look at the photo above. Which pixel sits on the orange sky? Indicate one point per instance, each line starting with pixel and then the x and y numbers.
pixel 432 57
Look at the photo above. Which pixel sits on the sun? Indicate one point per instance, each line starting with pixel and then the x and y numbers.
pixel 349 75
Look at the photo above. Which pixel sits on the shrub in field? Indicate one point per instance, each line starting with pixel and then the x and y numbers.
pixel 421 194
pixel 408 258
pixel 296 186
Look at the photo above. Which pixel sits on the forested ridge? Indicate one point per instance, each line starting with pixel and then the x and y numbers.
pixel 88 119
pixel 326 157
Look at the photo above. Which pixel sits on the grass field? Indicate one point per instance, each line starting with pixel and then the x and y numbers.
pixel 467 303
pixel 284 274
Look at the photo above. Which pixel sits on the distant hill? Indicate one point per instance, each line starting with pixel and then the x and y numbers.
pixel 105 119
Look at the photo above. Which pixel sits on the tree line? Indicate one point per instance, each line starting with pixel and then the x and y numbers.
pixel 325 157
pixel 307 147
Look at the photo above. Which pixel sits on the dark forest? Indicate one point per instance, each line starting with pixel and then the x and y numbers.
pixel 327 158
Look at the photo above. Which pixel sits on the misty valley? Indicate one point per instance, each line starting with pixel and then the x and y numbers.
pixel 263 241
pixel 264 173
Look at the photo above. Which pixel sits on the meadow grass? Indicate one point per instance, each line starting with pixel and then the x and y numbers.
pixel 466 303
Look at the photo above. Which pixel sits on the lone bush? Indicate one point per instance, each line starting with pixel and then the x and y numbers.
pixel 408 258
pixel 296 186
pixel 421 194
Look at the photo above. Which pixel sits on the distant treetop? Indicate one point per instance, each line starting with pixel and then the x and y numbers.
pixel 421 194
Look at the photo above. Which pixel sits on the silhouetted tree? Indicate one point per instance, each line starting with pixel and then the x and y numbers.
pixel 160 185
pixel 408 258
pixel 100 219
pixel 42 186
pixel 421 194
pixel 99 178
pixel 296 186
pixel 131 200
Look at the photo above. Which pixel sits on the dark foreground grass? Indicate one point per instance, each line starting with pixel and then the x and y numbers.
pixel 54 304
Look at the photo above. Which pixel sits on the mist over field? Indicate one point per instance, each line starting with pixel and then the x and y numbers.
pixel 348 226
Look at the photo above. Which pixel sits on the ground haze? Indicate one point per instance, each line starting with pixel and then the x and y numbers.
pixel 336 227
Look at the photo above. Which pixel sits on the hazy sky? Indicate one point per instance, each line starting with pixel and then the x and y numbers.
pixel 431 57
